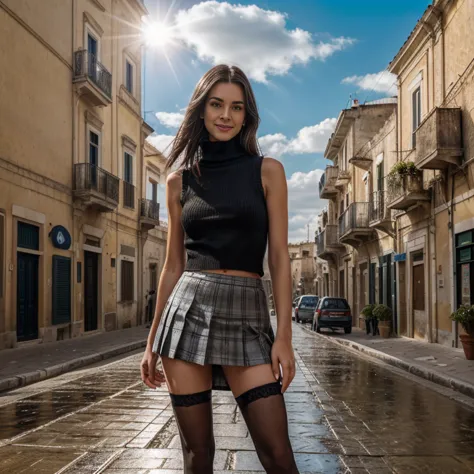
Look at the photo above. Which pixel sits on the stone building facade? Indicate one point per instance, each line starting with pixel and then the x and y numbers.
pixel 303 268
pixel 418 256
pixel 73 208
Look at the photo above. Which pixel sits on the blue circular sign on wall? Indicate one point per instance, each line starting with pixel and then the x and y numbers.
pixel 61 237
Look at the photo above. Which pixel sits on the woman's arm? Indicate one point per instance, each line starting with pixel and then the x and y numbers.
pixel 172 271
pixel 276 194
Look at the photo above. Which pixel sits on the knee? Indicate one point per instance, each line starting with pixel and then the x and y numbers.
pixel 200 459
pixel 278 459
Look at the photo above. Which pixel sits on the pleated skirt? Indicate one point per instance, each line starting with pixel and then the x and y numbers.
pixel 215 319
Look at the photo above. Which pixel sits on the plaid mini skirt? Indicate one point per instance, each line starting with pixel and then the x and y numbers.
pixel 216 319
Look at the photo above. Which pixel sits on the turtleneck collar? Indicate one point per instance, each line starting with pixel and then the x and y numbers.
pixel 214 153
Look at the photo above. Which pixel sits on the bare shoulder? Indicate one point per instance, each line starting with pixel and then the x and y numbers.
pixel 271 166
pixel 273 174
pixel 174 183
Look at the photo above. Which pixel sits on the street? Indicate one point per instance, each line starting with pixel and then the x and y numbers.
pixel 346 414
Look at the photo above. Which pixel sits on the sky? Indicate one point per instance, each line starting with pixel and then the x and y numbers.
pixel 306 59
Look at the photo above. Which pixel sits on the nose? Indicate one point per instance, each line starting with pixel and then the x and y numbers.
pixel 225 113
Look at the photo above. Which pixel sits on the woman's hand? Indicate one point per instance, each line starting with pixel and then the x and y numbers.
pixel 151 376
pixel 282 354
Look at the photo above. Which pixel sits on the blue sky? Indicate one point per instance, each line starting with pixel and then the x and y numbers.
pixel 297 53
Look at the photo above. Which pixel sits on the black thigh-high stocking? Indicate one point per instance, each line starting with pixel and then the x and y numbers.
pixel 193 415
pixel 264 411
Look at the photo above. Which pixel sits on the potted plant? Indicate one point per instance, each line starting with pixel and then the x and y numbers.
pixel 399 174
pixel 370 320
pixel 384 316
pixel 464 315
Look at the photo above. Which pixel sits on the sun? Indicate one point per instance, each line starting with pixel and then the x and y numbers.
pixel 157 34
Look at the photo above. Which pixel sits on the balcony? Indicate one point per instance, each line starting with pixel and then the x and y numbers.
pixel 380 216
pixel 92 79
pixel 406 191
pixel 361 162
pixel 327 189
pixel 354 226
pixel 439 140
pixel 95 187
pixel 327 242
pixel 149 214
pixel 128 195
pixel 343 178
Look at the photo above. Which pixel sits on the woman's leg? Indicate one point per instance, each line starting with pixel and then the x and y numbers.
pixel 190 391
pixel 263 408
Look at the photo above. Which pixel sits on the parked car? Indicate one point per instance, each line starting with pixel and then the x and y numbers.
pixel 295 304
pixel 305 307
pixel 333 313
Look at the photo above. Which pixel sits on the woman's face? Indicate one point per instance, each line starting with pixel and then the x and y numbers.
pixel 224 111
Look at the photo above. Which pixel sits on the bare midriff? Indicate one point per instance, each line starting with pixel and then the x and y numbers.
pixel 240 273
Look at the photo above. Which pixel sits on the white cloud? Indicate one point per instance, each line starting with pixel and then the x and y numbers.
pixel 312 139
pixel 251 37
pixel 170 119
pixel 161 142
pixel 383 82
pixel 304 204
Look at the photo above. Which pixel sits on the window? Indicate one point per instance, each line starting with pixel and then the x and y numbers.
pixel 416 113
pixel 61 289
pixel 308 302
pixel 93 148
pixel 333 303
pixel 128 168
pixel 380 176
pixel 153 276
pixel 127 282
pixel 465 268
pixel 129 76
pixel 305 253
pixel 152 190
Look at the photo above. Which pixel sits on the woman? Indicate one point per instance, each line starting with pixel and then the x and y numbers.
pixel 211 327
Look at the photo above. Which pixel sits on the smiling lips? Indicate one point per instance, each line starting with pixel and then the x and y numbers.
pixel 224 128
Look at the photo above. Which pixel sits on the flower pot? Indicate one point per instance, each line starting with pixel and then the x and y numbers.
pixel 384 328
pixel 468 346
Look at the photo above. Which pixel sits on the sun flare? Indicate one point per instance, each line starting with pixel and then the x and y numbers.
pixel 157 34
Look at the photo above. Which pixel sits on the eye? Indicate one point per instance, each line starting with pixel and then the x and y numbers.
pixel 215 104
pixel 238 107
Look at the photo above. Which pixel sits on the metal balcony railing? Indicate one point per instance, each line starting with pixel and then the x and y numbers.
pixel 377 207
pixel 356 216
pixel 327 238
pixel 150 209
pixel 328 178
pixel 88 177
pixel 128 195
pixel 87 65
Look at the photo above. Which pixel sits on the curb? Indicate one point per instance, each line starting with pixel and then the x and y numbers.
pixel 414 369
pixel 43 374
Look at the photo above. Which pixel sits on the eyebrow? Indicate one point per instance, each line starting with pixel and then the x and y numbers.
pixel 220 100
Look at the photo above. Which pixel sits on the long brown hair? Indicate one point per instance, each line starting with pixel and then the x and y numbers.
pixel 185 146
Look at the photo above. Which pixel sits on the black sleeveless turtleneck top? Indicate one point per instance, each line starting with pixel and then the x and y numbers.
pixel 224 213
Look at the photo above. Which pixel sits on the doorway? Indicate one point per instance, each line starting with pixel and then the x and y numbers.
pixel 91 290
pixel 418 292
pixel 27 297
pixel 341 284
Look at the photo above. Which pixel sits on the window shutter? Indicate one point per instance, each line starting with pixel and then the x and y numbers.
pixel 127 281
pixel 61 289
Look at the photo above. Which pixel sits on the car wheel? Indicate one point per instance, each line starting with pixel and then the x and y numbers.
pixel 347 330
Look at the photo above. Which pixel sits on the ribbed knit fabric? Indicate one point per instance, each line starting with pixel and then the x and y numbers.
pixel 224 213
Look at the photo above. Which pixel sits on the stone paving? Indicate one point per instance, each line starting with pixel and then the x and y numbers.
pixel 33 362
pixel 346 415
pixel 443 365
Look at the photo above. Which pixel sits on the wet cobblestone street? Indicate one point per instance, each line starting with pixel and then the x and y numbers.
pixel 346 414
